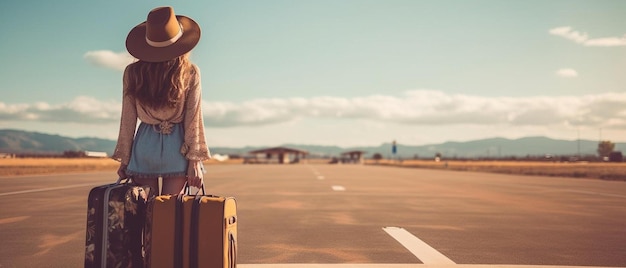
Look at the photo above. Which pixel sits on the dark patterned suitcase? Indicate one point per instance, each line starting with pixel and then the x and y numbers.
pixel 115 222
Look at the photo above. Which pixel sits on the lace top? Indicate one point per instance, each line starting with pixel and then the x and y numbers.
pixel 189 111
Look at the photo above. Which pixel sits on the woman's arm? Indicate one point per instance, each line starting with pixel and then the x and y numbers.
pixel 128 124
pixel 194 147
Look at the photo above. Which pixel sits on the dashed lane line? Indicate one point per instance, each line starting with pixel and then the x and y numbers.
pixel 318 175
pixel 595 193
pixel 419 248
pixel 338 188
pixel 48 189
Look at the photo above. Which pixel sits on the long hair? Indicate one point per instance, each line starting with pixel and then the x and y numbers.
pixel 159 84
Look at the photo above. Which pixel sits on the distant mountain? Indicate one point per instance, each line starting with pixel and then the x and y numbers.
pixel 494 147
pixel 500 147
pixel 17 141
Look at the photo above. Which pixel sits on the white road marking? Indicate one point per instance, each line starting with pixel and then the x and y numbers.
pixel 399 265
pixel 595 193
pixel 13 219
pixel 338 265
pixel 419 248
pixel 338 188
pixel 47 189
pixel 318 175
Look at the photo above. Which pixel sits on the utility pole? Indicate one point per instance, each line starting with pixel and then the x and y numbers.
pixel 579 143
pixel 394 148
pixel 600 133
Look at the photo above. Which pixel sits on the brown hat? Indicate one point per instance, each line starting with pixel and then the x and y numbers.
pixel 163 36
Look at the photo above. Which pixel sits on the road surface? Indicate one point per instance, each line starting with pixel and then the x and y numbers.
pixel 342 215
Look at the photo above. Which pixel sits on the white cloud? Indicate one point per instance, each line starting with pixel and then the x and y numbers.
pixel 567 33
pixel 607 42
pixel 415 108
pixel 109 59
pixel 83 110
pixel 567 72
pixel 427 107
pixel 583 38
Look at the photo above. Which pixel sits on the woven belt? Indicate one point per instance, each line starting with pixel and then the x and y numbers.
pixel 164 127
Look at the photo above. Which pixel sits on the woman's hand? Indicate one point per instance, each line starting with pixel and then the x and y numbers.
pixel 194 174
pixel 121 171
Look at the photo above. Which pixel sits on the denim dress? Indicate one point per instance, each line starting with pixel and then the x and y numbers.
pixel 156 152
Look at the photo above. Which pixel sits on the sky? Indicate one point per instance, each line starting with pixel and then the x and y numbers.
pixel 328 72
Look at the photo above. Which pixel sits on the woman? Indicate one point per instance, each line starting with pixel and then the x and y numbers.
pixel 162 89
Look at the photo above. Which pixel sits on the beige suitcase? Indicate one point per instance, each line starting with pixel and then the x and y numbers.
pixel 191 232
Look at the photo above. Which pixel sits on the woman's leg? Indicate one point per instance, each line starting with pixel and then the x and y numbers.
pixel 152 182
pixel 173 185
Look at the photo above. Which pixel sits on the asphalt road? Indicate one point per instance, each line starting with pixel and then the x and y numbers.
pixel 327 214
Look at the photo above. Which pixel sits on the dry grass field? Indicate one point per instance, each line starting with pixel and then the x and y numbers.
pixel 607 171
pixel 30 166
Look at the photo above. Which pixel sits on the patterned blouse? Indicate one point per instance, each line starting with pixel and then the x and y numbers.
pixel 189 111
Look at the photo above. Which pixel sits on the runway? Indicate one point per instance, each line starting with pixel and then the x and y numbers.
pixel 315 216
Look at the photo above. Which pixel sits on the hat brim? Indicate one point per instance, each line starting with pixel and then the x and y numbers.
pixel 137 45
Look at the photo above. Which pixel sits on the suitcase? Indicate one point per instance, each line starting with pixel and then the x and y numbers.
pixel 115 222
pixel 190 231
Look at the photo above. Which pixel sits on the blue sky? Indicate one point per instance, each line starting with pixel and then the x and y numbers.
pixel 347 73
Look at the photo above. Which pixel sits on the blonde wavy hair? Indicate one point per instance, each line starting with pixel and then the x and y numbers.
pixel 159 84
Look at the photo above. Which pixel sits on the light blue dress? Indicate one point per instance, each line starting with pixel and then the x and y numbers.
pixel 156 153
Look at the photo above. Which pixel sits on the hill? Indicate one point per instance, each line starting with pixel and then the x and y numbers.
pixel 501 147
pixel 493 147
pixel 17 141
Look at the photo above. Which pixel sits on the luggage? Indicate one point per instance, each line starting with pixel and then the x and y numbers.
pixel 115 222
pixel 191 231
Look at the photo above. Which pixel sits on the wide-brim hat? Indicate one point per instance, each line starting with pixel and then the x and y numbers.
pixel 163 36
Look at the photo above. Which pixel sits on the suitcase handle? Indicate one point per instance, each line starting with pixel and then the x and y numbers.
pixel 126 180
pixel 187 190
